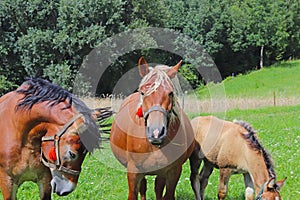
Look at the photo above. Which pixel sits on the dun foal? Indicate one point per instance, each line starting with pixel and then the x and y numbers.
pixel 234 148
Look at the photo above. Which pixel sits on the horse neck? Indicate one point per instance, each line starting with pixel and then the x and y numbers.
pixel 259 172
pixel 43 113
pixel 176 125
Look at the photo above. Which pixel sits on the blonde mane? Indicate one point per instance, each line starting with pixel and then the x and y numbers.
pixel 159 72
pixel 161 78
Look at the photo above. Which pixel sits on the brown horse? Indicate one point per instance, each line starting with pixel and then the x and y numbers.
pixel 234 148
pixel 45 135
pixel 151 135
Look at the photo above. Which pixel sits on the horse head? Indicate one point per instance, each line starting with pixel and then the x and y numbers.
pixel 270 190
pixel 156 99
pixel 63 152
pixel 68 130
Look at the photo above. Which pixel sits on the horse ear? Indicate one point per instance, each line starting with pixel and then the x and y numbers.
pixel 281 183
pixel 173 71
pixel 143 67
pixel 271 183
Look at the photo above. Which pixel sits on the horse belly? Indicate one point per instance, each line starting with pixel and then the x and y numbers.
pixel 118 147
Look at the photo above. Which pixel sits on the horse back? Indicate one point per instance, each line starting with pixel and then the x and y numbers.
pixel 220 141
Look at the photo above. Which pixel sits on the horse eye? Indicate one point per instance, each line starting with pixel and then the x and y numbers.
pixel 72 155
pixel 171 94
pixel 142 93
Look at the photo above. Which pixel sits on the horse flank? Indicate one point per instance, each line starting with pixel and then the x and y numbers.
pixel 254 143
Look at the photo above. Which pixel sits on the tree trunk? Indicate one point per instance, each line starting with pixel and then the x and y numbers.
pixel 261 62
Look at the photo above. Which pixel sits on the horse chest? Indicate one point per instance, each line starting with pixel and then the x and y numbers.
pixel 26 163
pixel 155 160
pixel 149 161
pixel 28 175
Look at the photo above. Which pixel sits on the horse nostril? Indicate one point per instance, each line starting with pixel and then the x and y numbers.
pixel 156 133
pixel 162 132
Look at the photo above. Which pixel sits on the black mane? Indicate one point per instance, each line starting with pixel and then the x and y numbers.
pixel 40 90
pixel 253 142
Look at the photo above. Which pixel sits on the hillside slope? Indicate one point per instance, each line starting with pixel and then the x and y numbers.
pixel 283 79
pixel 275 85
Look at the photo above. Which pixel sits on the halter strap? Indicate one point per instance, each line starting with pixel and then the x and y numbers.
pixel 60 168
pixel 156 108
pixel 56 139
pixel 259 196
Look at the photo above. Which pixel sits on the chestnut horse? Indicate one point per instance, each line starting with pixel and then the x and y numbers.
pixel 151 135
pixel 45 135
pixel 234 148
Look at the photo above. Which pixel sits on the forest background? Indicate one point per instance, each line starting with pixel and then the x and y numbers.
pixel 50 39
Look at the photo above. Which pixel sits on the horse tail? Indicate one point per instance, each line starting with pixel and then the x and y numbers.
pixel 104 119
pixel 254 142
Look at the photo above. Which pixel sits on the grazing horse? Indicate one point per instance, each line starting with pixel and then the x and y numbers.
pixel 234 148
pixel 151 135
pixel 45 133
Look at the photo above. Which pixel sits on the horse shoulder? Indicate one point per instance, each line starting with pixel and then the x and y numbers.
pixel 125 127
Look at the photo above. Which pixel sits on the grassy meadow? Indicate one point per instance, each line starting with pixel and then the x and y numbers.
pixel 278 128
pixel 282 78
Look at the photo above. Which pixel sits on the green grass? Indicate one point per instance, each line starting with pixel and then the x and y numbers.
pixel 282 78
pixel 278 128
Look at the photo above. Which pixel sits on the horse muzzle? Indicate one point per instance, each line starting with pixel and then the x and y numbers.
pixel 156 135
pixel 61 185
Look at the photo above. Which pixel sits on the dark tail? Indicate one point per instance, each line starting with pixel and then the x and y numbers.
pixel 104 119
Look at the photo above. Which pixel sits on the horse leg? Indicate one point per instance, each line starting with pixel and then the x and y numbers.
pixel 160 183
pixel 143 188
pixel 206 171
pixel 45 188
pixel 195 163
pixel 8 188
pixel 134 181
pixel 172 178
pixel 223 186
pixel 249 193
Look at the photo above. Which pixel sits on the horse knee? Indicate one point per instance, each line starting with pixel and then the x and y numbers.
pixel 159 187
pixel 249 193
pixel 195 181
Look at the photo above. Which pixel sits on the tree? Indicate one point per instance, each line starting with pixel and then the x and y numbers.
pixel 292 9
pixel 51 39
pixel 40 36
pixel 266 26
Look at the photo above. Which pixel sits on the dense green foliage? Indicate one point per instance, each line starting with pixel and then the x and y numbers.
pixel 50 39
pixel 277 127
